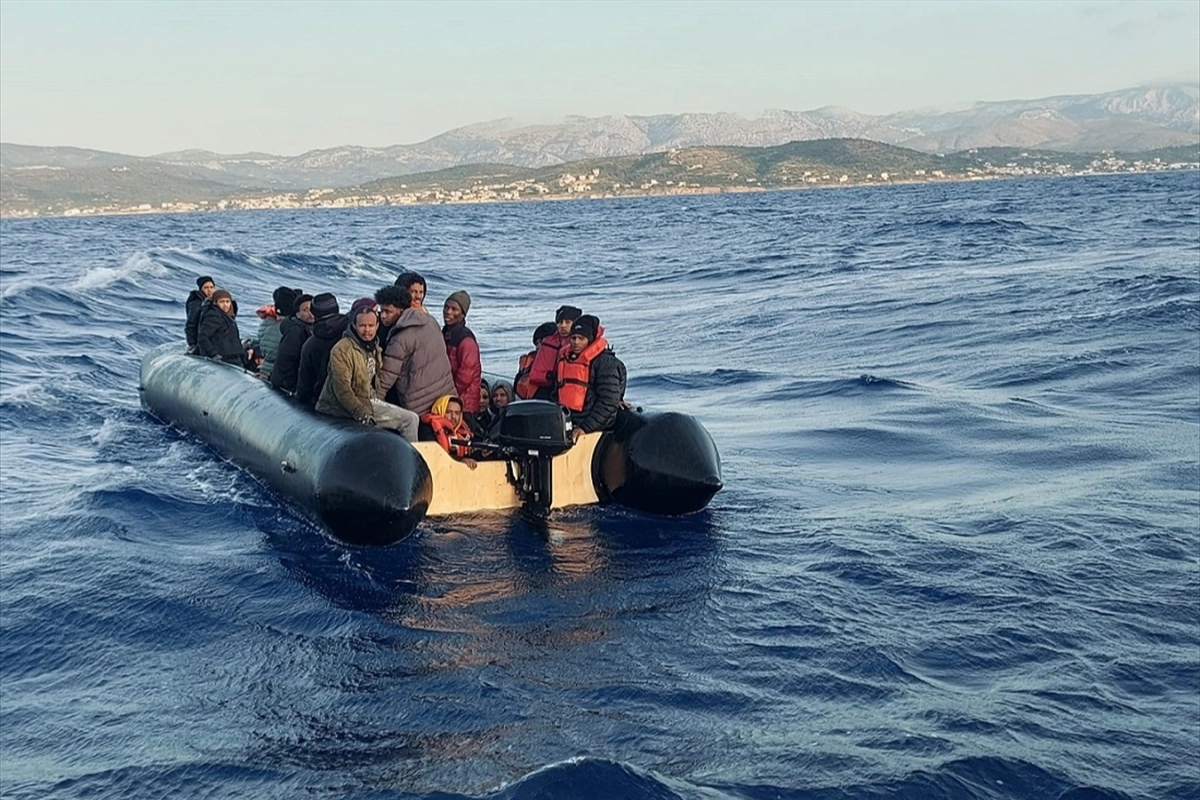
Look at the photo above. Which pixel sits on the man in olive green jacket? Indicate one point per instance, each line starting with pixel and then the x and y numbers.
pixel 350 388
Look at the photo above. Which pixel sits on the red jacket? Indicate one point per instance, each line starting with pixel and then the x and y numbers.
pixel 541 374
pixel 465 366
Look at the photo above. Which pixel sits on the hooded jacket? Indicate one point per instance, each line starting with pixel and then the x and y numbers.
pixel 314 358
pixel 350 383
pixel 294 333
pixel 416 365
pixel 486 419
pixel 463 351
pixel 217 335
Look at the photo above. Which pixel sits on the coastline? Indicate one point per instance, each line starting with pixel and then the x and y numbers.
pixel 292 200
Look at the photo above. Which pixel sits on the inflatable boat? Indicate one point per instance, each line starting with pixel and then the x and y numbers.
pixel 369 486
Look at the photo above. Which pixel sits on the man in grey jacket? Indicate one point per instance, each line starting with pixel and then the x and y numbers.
pixel 416 369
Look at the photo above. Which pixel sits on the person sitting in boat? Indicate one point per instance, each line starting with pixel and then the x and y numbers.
pixel 414 284
pixel 254 354
pixel 483 416
pixel 451 429
pixel 350 386
pixel 270 330
pixel 590 378
pixel 416 367
pixel 542 373
pixel 500 395
pixel 523 387
pixel 462 350
pixel 195 300
pixel 327 329
pixel 294 332
pixel 217 331
pixel 363 304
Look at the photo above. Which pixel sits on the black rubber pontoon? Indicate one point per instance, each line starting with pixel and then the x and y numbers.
pixel 367 485
pixel 657 462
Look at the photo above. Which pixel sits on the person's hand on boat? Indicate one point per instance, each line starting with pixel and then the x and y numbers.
pixel 470 462
pixel 576 433
pixel 369 421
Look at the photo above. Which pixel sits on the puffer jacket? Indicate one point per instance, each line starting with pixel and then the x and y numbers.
pixel 605 393
pixel 416 367
pixel 294 333
pixel 350 384
pixel 314 358
pixel 465 367
pixel 270 332
pixel 217 336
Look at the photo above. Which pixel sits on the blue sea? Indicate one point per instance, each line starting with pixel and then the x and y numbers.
pixel 957 554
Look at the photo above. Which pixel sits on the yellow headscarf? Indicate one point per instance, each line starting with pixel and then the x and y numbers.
pixel 442 403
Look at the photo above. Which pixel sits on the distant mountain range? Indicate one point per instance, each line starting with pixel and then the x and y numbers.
pixel 1146 118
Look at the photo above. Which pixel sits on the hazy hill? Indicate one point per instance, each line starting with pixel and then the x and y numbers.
pixel 820 162
pixel 127 184
pixel 1131 120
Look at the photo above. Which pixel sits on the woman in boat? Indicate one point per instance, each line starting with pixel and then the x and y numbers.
pixel 217 331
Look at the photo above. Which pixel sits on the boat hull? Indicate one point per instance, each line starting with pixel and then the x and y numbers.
pixel 371 487
pixel 658 462
pixel 368 486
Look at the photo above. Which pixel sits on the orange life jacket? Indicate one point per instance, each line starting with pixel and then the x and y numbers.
pixel 573 372
pixel 522 386
pixel 444 432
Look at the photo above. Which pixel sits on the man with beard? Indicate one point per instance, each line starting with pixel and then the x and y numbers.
pixel 350 386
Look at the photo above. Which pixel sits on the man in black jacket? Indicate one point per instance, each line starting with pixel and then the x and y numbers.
pixel 294 331
pixel 605 392
pixel 217 332
pixel 195 299
pixel 328 327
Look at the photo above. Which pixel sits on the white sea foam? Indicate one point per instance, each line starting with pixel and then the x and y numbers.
pixel 135 266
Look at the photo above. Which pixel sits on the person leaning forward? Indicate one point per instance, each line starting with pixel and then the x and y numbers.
pixel 416 368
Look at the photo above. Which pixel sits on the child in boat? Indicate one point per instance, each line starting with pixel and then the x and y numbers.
pixel 449 427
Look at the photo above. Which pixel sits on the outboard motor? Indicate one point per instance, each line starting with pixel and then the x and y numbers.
pixel 529 434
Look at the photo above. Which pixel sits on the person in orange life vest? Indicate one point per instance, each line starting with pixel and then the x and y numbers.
pixel 446 419
pixel 524 388
pixel 591 379
pixel 463 351
pixel 541 374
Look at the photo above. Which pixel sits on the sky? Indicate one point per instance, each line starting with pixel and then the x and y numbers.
pixel 287 77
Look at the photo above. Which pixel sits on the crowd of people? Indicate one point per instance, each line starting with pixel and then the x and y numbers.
pixel 388 363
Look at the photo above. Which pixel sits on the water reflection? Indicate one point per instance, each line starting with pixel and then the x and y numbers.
pixel 485 576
